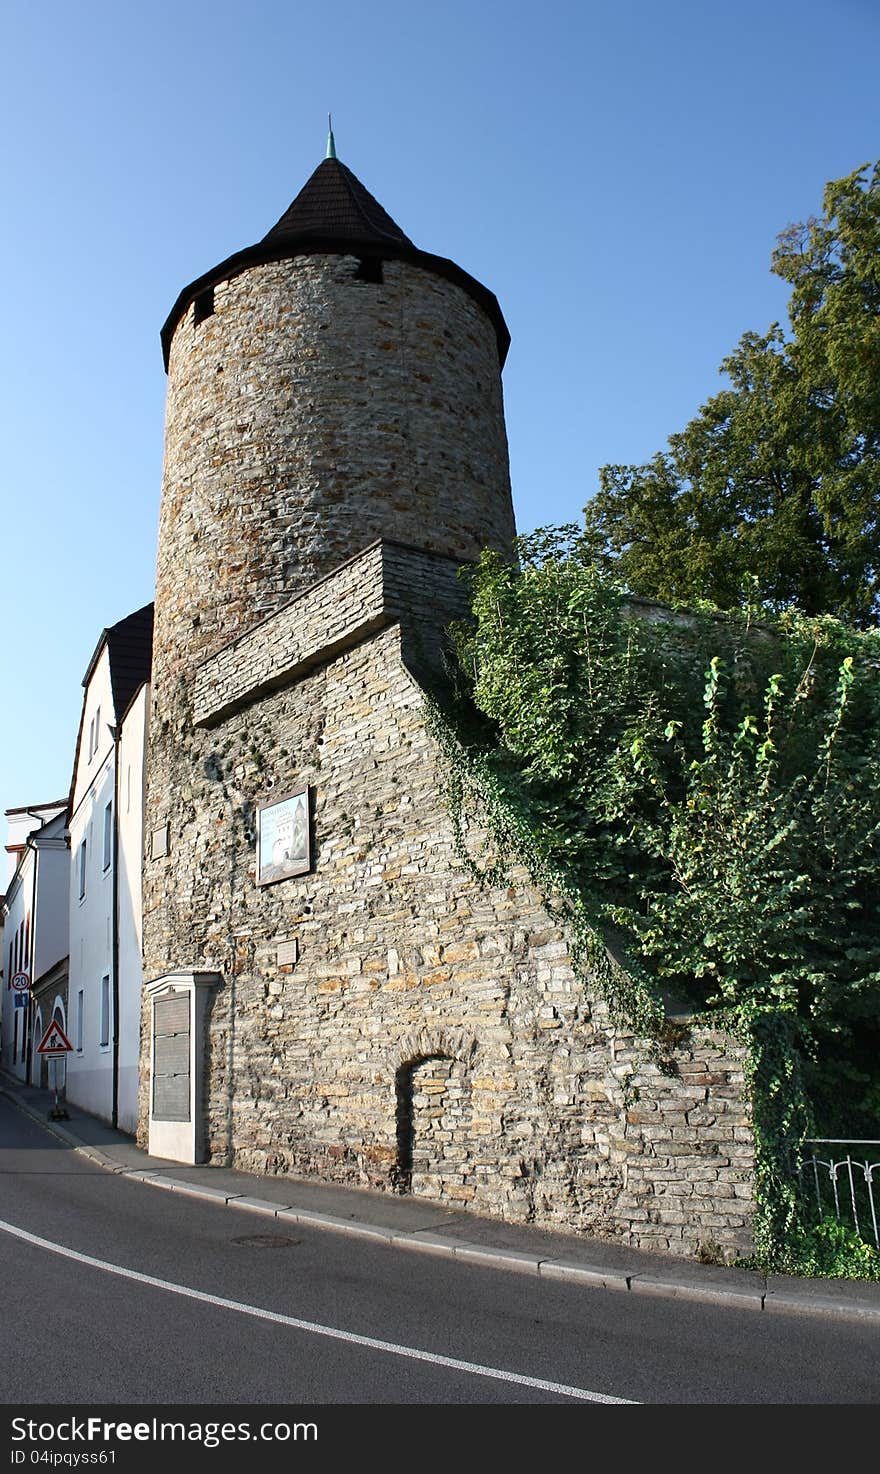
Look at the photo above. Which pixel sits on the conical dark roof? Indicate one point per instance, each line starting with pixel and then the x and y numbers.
pixel 333 212
pixel 334 203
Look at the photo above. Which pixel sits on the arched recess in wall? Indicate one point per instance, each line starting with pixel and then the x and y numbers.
pixel 432 1121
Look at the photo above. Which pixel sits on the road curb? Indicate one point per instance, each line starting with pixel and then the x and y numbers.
pixel 588 1276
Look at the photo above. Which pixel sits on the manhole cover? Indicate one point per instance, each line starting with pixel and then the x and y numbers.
pixel 266 1240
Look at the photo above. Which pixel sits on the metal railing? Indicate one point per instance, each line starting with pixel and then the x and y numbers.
pixel 842 1182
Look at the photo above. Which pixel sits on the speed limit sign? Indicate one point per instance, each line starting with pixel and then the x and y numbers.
pixel 20 982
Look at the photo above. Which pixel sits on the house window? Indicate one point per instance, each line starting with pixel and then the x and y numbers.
pixel 82 869
pixel 108 835
pixel 94 733
pixel 105 1010
pixel 80 1012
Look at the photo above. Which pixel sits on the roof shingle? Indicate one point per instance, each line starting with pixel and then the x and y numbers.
pixel 130 647
pixel 333 203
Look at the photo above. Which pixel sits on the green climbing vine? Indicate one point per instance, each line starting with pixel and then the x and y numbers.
pixel 698 795
pixel 474 784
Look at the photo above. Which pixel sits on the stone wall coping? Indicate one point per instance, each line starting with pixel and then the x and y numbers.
pixel 364 594
pixel 378 542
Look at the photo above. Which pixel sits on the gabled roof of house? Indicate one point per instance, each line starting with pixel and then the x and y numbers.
pixel 129 645
pixel 36 809
pixel 52 828
pixel 130 650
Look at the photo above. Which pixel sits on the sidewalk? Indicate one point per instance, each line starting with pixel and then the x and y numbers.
pixel 417 1225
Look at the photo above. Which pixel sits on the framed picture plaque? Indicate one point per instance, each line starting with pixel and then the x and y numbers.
pixel 283 838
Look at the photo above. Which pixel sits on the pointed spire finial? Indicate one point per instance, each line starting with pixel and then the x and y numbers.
pixel 331 142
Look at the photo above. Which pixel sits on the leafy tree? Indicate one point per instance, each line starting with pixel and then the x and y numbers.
pixel 710 786
pixel 776 482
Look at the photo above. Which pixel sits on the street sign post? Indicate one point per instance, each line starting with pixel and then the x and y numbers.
pixel 55 1045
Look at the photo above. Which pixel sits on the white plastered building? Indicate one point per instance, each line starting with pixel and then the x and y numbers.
pixel 106 842
pixel 35 913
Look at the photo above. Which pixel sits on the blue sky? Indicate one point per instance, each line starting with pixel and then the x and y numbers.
pixel 616 172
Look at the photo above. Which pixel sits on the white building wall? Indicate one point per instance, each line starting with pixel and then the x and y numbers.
pixel 90 1065
pixel 37 897
pixel 22 822
pixel 19 901
pixel 51 917
pixel 132 751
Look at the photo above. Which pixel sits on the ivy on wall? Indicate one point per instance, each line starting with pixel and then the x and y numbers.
pixel 699 796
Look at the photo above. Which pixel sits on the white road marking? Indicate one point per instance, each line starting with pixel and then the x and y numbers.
pixel 472 1368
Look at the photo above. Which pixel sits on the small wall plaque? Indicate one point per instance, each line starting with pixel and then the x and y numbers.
pixel 288 952
pixel 159 842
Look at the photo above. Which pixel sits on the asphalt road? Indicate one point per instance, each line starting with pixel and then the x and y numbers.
pixel 303 1311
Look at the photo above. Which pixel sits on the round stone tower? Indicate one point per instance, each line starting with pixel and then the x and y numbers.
pixel 328 386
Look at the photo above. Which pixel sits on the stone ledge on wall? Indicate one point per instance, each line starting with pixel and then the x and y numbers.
pixel 386 583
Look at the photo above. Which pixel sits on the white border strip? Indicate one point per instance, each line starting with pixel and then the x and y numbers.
pixel 313 1328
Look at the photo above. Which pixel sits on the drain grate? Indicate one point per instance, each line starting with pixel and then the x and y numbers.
pixel 266 1240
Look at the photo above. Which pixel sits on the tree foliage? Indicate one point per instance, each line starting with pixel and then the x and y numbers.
pixel 711 784
pixel 777 479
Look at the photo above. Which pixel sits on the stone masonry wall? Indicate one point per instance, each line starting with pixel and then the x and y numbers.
pixel 432 1034
pixel 308 415
pixel 373 588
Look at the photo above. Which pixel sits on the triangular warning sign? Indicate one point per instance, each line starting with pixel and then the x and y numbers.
pixel 54 1041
